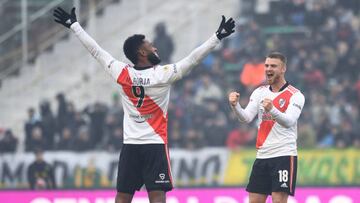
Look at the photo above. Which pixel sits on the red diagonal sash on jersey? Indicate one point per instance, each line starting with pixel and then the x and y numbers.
pixel 158 122
pixel 281 102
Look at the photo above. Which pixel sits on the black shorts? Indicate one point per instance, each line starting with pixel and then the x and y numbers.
pixel 141 164
pixel 273 175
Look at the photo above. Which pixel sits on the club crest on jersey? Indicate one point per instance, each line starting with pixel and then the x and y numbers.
pixel 281 102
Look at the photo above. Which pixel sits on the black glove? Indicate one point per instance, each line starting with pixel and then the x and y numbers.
pixel 64 18
pixel 225 28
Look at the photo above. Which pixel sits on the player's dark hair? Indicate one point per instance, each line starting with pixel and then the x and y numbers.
pixel 277 55
pixel 131 47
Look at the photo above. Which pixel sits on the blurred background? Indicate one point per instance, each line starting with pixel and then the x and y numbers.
pixel 55 97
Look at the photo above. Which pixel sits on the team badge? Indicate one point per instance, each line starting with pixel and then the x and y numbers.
pixel 281 102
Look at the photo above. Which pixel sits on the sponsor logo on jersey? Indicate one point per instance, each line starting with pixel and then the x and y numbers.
pixel 162 179
pixel 140 118
pixel 141 81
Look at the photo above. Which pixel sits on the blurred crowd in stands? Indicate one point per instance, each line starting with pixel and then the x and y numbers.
pixel 322 42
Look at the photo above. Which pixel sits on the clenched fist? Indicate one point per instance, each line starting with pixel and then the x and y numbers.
pixel 234 98
pixel 267 104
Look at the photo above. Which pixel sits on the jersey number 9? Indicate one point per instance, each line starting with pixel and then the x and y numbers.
pixel 139 92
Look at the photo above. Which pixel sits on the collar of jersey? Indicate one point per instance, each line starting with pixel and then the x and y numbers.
pixel 282 88
pixel 142 68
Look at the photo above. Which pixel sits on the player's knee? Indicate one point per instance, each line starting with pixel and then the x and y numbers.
pixel 279 198
pixel 157 197
pixel 279 201
pixel 257 198
pixel 123 198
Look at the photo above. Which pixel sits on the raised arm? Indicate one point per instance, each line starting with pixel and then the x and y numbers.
pixel 107 61
pixel 244 115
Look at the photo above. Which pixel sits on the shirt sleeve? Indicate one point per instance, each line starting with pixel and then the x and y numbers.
pixel 173 72
pixel 247 115
pixel 292 113
pixel 111 65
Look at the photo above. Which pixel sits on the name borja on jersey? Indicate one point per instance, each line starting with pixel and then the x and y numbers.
pixel 137 81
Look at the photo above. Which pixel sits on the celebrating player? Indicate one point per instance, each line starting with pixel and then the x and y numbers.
pixel 278 106
pixel 145 90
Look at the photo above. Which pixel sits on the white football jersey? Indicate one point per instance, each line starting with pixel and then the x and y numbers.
pixel 144 93
pixel 277 129
pixel 145 99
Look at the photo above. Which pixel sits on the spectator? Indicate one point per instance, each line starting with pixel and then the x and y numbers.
pixel 116 108
pixel 33 121
pixel 48 124
pixel 61 117
pixel 208 90
pixel 175 135
pixel 8 142
pixel 82 141
pixel 306 136
pixel 164 43
pixel 253 73
pixel 193 140
pixel 240 137
pixel 329 139
pixel 115 141
pixel 346 134
pixel 40 174
pixel 112 133
pixel 74 119
pixel 97 113
pixel 66 141
pixel 37 139
pixel 214 124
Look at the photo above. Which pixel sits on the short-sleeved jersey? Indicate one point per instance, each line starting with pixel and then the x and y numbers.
pixel 273 138
pixel 144 93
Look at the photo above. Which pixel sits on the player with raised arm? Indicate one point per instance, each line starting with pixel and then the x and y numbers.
pixel 145 90
pixel 278 106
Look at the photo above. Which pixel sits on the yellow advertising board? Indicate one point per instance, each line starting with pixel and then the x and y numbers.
pixel 315 167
